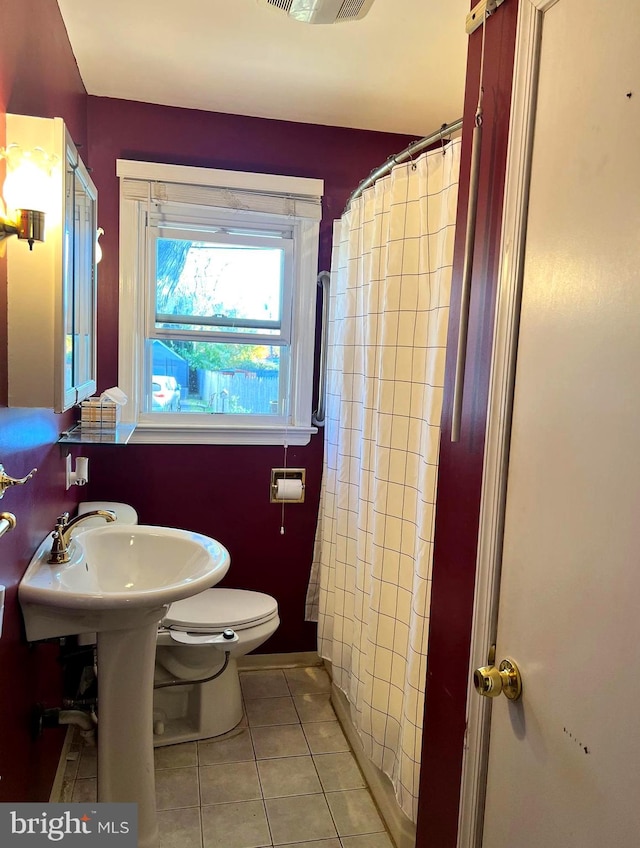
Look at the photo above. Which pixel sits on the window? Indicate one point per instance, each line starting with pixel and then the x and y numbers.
pixel 217 304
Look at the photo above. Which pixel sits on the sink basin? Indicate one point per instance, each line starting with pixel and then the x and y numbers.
pixel 118 576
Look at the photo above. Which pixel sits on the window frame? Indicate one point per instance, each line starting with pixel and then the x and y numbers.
pixel 291 203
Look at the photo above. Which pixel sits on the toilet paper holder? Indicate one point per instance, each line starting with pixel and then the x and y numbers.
pixel 287 474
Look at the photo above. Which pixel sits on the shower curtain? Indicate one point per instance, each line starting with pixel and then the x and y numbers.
pixel 371 576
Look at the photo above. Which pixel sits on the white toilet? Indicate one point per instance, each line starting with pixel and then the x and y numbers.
pixel 191 647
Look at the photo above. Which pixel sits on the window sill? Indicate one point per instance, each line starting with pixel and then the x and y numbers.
pixel 155 434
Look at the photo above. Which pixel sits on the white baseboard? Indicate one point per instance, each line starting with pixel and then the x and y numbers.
pixel 56 790
pixel 401 828
pixel 265 661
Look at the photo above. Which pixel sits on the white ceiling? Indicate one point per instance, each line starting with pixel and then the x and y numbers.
pixel 399 69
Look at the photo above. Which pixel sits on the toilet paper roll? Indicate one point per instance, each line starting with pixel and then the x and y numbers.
pixel 288 490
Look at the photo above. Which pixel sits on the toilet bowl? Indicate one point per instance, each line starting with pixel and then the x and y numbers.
pixel 191 648
pixel 201 710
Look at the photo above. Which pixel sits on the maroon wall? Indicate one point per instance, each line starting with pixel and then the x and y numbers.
pixel 223 490
pixel 460 473
pixel 219 490
pixel 38 76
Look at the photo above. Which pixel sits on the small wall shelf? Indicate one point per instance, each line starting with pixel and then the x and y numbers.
pixel 79 436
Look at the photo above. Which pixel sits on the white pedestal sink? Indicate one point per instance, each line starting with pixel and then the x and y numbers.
pixel 117 583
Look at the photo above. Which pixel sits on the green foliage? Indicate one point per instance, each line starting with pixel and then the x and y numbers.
pixel 211 356
pixel 224 357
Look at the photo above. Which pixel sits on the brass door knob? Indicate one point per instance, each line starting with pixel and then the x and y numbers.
pixel 491 681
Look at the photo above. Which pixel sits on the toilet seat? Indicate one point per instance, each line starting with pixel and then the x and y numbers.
pixel 216 609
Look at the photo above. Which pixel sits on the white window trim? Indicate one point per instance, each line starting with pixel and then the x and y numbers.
pixel 299 198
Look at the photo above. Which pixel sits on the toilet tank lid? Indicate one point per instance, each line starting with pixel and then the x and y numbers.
pixel 216 609
pixel 125 514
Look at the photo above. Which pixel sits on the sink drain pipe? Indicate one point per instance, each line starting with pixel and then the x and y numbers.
pixel 87 722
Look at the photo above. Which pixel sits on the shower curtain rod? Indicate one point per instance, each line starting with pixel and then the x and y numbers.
pixel 410 151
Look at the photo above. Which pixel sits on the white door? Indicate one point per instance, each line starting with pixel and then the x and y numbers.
pixel 564 760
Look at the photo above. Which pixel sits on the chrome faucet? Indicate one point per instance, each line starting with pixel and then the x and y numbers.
pixel 62 533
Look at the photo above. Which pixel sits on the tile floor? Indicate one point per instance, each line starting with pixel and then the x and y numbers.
pixel 285 776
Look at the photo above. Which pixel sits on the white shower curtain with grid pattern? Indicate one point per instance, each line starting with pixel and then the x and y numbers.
pixel 371 577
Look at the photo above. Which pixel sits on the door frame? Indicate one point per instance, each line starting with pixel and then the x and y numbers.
pixel 500 404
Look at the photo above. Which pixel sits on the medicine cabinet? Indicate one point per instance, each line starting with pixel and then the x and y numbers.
pixel 51 296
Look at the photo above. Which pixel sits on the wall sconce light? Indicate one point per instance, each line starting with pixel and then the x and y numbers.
pixel 27 192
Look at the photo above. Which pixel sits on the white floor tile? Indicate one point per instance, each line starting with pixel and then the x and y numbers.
pixel 180 828
pixel 176 756
pixel 354 812
pixel 325 737
pixel 285 740
pixel 322 843
pixel 228 749
pixel 300 818
pixel 371 840
pixel 230 782
pixel 263 684
pixel 338 771
pixel 177 788
pixel 288 776
pixel 294 755
pixel 263 712
pixel 242 825
pixel 305 681
pixel 314 707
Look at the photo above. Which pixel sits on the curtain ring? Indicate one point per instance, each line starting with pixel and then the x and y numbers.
pixel 410 155
pixel 444 141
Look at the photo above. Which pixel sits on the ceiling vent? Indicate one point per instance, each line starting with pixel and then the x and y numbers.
pixel 323 11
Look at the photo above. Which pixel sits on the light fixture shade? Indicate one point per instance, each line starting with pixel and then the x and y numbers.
pixel 99 232
pixel 28 184
pixel 323 11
